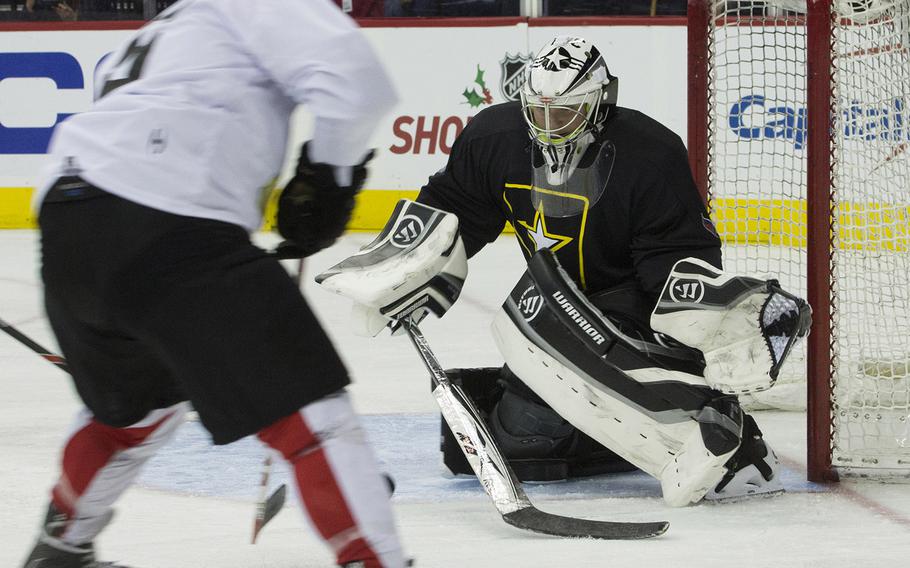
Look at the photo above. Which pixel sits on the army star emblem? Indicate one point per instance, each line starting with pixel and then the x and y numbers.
pixel 541 236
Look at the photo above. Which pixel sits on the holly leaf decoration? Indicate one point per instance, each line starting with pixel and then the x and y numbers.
pixel 473 98
pixel 479 78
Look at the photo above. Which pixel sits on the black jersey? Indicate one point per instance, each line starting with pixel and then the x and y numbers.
pixel 649 216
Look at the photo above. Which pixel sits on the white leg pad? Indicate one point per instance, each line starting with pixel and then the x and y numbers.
pixel 667 446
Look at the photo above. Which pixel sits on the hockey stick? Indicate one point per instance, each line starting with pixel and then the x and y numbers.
pixel 494 472
pixel 51 357
pixel 268 507
pixel 34 346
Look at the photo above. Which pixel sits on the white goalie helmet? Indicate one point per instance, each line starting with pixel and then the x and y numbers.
pixel 565 99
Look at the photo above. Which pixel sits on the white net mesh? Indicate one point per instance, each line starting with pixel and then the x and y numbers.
pixel 757 163
pixel 872 258
pixel 757 184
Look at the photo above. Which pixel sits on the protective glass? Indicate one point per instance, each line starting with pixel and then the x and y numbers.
pixel 580 191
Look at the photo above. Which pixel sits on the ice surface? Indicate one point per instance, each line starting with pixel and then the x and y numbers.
pixel 193 507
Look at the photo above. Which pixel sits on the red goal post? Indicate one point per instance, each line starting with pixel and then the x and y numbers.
pixel 798 139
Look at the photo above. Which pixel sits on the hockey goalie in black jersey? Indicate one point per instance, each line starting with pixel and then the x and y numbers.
pixel 648 342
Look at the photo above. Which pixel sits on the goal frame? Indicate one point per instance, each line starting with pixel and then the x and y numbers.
pixel 820 204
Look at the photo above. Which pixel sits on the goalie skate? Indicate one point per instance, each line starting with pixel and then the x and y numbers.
pixel 754 470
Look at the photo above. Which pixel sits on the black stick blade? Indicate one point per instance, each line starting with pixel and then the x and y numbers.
pixel 267 509
pixel 274 504
pixel 535 520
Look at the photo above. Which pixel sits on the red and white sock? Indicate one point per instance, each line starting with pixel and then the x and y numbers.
pixel 100 462
pixel 339 482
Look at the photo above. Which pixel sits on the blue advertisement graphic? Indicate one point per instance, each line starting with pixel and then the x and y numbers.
pixel 63 69
pixel 751 118
pixel 783 122
pixel 754 118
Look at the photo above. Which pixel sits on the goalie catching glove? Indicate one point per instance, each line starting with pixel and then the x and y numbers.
pixel 745 327
pixel 416 265
pixel 316 205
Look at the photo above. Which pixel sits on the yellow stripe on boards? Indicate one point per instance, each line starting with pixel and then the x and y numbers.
pixel 374 206
pixel 16 208
pixel 779 222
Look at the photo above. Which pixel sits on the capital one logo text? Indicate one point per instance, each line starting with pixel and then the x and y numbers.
pixel 753 117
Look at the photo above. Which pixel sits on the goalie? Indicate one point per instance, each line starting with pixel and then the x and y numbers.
pixel 625 344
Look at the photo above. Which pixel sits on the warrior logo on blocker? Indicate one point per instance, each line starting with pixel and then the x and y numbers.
pixel 687 291
pixel 407 231
pixel 530 303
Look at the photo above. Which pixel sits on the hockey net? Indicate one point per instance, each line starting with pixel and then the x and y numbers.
pixel 804 173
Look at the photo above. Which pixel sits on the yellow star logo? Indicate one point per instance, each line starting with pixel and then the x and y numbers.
pixel 539 234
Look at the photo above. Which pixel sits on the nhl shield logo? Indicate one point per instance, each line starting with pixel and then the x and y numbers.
pixel 513 75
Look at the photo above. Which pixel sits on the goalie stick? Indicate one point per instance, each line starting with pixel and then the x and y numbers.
pixel 494 472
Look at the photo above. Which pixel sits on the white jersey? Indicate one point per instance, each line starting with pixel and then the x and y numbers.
pixel 191 114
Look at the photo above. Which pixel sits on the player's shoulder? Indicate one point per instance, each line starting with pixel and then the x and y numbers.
pixel 641 131
pixel 497 120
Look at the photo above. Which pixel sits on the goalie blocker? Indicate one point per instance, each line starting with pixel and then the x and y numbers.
pixel 416 265
pixel 646 401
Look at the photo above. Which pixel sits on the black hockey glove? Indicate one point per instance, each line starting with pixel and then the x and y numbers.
pixel 313 209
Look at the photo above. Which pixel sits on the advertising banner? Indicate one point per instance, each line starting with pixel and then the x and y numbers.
pixel 444 75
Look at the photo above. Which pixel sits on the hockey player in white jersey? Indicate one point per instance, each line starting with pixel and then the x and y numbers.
pixel 154 290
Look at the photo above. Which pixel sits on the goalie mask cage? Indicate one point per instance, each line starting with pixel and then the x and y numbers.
pixel 798 137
